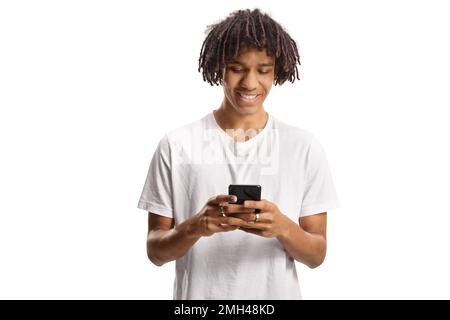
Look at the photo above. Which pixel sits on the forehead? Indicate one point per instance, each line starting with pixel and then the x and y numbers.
pixel 251 56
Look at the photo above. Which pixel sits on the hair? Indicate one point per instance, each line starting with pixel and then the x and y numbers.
pixel 247 29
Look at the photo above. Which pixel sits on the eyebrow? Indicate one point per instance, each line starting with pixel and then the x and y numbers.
pixel 267 64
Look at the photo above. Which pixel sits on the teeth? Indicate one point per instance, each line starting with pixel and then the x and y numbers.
pixel 249 97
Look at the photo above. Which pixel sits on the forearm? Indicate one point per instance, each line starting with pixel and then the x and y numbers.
pixel 307 248
pixel 167 245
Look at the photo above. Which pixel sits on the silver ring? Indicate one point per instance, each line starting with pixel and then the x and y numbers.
pixel 256 217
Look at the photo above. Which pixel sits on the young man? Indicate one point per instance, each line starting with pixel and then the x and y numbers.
pixel 225 250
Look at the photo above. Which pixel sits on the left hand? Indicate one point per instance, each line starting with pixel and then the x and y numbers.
pixel 272 222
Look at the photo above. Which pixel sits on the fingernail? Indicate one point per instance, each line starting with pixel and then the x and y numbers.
pixel 233 198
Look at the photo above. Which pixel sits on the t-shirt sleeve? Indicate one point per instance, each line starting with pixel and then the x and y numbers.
pixel 156 195
pixel 319 193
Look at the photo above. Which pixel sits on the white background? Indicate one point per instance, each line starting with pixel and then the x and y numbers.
pixel 87 89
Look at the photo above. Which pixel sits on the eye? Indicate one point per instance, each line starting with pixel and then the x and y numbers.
pixel 236 69
pixel 264 72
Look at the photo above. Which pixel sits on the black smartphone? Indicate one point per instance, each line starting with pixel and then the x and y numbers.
pixel 245 192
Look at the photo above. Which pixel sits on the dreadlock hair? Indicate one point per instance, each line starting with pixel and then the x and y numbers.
pixel 247 29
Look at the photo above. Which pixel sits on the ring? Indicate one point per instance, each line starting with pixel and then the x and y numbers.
pixel 256 217
pixel 221 211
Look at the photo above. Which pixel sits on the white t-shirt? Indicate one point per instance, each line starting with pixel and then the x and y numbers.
pixel 198 161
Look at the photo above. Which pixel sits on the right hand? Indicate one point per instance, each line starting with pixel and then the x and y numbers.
pixel 210 219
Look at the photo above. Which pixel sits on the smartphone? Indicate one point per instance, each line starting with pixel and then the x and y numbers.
pixel 245 192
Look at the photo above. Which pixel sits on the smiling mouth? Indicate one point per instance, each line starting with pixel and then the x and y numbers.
pixel 248 97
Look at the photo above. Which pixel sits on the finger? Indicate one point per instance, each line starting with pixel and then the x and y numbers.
pixel 243 216
pixel 221 228
pixel 262 205
pixel 233 221
pixel 251 217
pixel 213 211
pixel 227 221
pixel 226 228
pixel 221 225
pixel 257 226
pixel 214 201
pixel 235 208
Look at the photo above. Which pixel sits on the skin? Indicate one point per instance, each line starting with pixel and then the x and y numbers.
pixel 252 72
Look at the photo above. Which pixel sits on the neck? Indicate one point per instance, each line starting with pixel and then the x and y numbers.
pixel 228 118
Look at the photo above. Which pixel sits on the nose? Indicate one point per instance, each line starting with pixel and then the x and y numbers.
pixel 249 82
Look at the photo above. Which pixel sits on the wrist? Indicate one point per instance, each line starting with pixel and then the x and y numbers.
pixel 286 230
pixel 189 228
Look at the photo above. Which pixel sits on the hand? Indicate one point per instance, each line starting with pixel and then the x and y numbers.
pixel 210 219
pixel 271 223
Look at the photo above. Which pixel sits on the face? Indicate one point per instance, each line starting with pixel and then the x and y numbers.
pixel 248 80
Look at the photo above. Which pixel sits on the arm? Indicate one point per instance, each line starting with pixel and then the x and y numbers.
pixel 306 242
pixel 167 243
